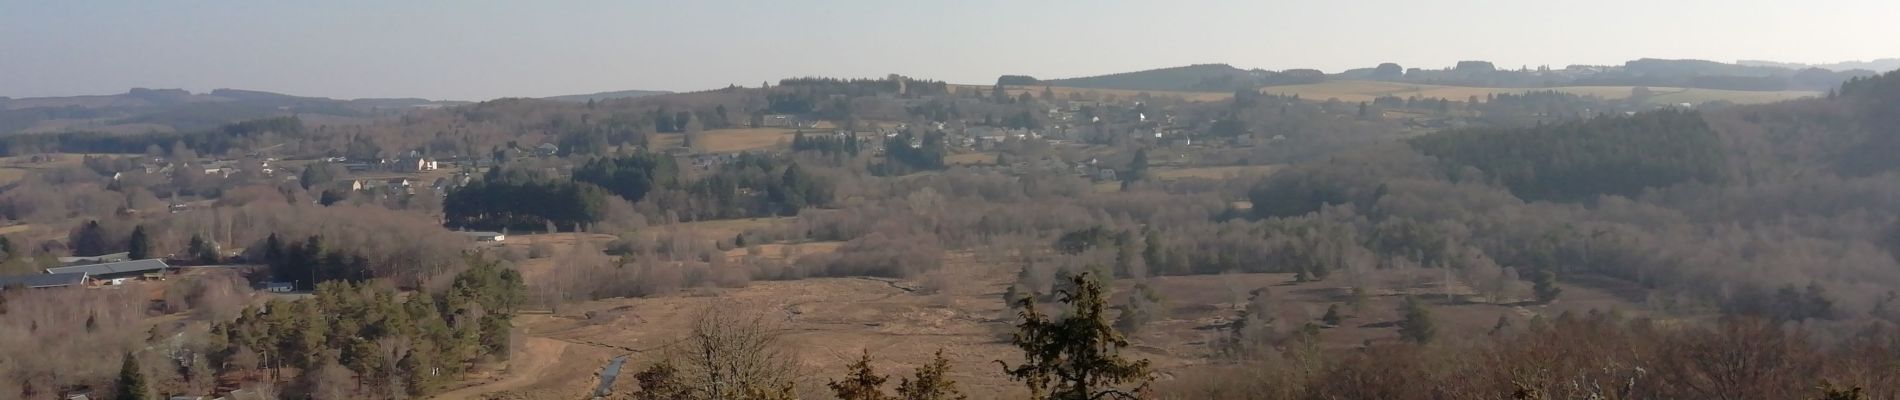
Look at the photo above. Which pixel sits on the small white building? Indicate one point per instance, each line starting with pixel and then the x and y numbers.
pixel 486 236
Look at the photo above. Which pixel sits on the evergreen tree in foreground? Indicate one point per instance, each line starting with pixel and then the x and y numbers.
pixel 1074 357
pixel 863 383
pixel 132 384
pixel 931 383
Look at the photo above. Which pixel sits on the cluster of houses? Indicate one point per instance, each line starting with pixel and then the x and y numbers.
pixel 218 168
pixel 106 270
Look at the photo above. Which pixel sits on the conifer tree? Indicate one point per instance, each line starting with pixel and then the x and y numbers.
pixel 1417 326
pixel 862 384
pixel 140 246
pixel 1075 357
pixel 932 382
pixel 132 384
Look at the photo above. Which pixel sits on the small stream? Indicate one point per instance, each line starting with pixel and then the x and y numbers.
pixel 607 376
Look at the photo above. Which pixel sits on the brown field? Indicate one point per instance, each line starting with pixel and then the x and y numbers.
pixel 730 140
pixel 14 168
pixel 827 321
pixel 1222 172
pixel 984 158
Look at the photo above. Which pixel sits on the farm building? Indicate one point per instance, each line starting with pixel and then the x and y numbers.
pixel 416 164
pixel 46 281
pixel 280 287
pixel 115 271
pixel 102 258
pixel 486 236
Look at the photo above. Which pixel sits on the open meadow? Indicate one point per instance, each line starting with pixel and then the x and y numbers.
pixel 730 140
pixel 826 322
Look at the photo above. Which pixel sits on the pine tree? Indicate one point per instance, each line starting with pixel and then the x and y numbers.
pixel 1075 357
pixel 132 384
pixel 1417 326
pixel 1137 169
pixel 202 251
pixel 862 384
pixel 140 246
pixel 89 240
pixel 1544 285
pixel 418 372
pixel 932 382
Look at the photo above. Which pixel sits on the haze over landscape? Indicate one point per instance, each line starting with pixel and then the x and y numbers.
pixel 449 50
pixel 1467 200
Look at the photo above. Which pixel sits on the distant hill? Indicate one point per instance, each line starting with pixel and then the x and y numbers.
pixel 582 98
pixel 1880 65
pixel 1701 74
pixel 1176 78
pixel 173 110
pixel 1193 78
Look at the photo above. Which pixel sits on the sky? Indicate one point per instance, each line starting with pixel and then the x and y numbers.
pixel 476 50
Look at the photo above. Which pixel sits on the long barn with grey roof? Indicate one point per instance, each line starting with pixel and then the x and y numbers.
pixel 115 270
pixel 44 281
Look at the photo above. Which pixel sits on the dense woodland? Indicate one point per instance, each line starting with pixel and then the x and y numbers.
pixel 1763 235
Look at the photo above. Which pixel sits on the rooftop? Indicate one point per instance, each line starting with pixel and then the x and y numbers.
pixel 122 267
pixel 114 257
pixel 43 281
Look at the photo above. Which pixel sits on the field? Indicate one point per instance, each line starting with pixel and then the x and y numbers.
pixel 827 321
pixel 730 140
pixel 970 158
pixel 1357 91
pixel 1222 172
pixel 14 168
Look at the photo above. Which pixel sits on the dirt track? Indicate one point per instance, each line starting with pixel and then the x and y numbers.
pixel 529 363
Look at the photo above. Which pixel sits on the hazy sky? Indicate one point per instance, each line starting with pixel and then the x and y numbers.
pixel 473 50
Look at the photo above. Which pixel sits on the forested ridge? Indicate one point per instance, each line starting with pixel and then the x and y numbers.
pixel 1584 159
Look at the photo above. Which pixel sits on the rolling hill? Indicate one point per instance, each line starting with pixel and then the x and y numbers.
pixel 172 110
pixel 623 94
pixel 1357 91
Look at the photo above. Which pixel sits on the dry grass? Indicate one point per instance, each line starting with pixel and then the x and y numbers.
pixel 1223 172
pixel 14 168
pixel 829 320
pixel 730 140
pixel 12 229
